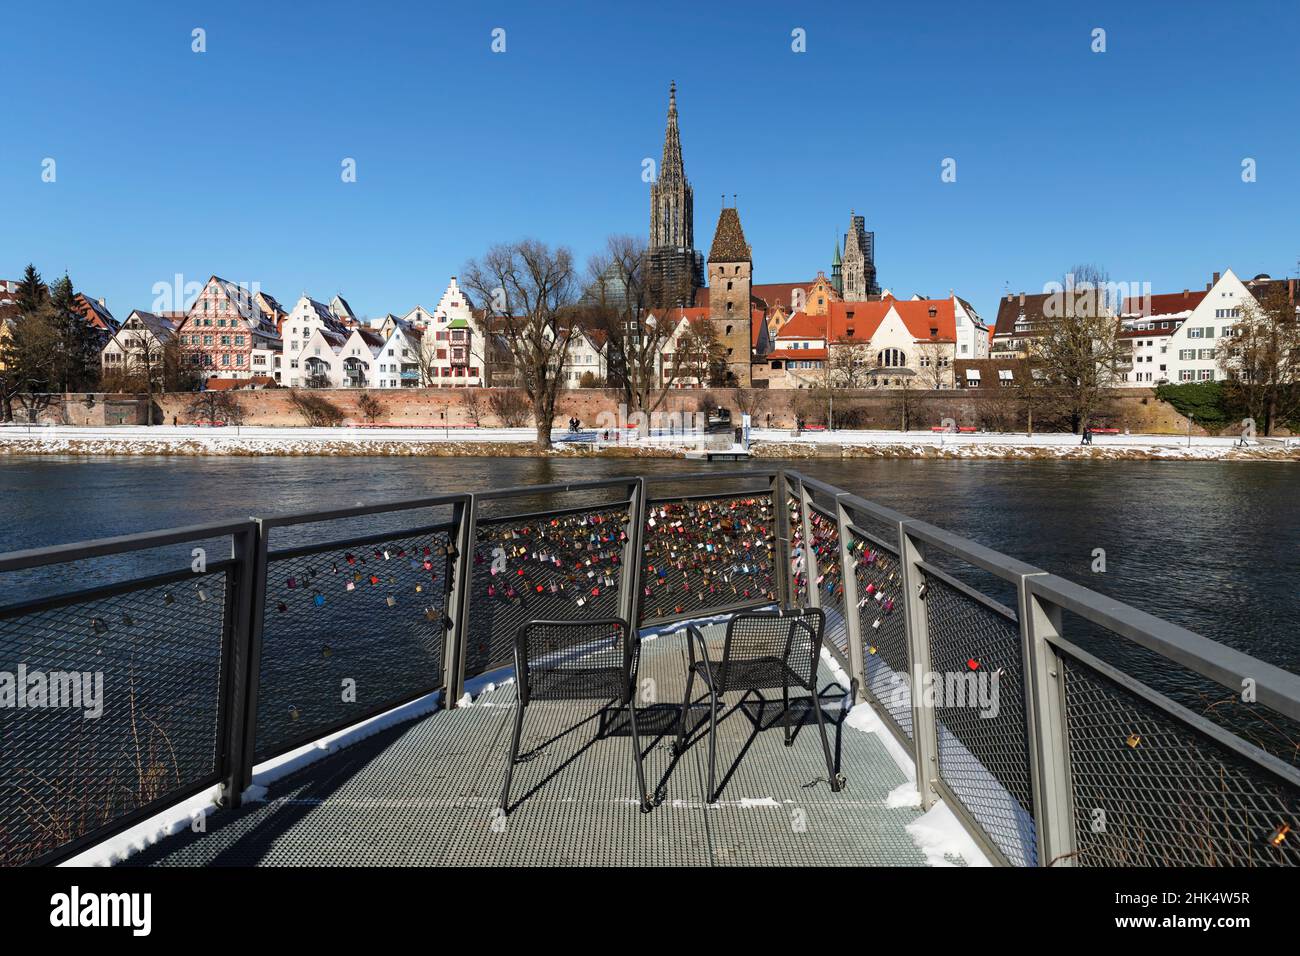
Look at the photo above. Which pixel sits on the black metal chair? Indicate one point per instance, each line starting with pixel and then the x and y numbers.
pixel 576 660
pixel 762 650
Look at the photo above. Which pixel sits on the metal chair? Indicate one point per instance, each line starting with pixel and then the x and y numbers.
pixel 761 650
pixel 576 660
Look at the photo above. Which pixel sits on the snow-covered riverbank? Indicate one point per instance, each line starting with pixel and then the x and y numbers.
pixel 766 444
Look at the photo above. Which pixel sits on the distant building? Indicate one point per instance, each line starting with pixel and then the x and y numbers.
pixel 138 344
pixel 231 331
pixel 858 266
pixel 675 268
pixel 300 342
pixel 1177 336
pixel 453 345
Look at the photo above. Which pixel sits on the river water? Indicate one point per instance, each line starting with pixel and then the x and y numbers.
pixel 1209 545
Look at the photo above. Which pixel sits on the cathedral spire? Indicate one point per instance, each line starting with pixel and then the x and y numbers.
pixel 671 167
pixel 671 198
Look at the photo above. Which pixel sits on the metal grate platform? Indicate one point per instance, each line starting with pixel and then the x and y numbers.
pixel 425 793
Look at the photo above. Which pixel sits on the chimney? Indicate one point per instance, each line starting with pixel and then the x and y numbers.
pixel 1022 298
pixel 1216 280
pixel 1186 292
pixel 101 301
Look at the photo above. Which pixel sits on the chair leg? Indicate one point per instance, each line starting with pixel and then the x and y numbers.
pixel 514 755
pixel 836 779
pixel 785 713
pixel 686 707
pixel 713 740
pixel 646 805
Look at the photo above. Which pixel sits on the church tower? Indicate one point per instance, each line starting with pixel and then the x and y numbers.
pixel 859 265
pixel 676 268
pixel 730 284
pixel 837 276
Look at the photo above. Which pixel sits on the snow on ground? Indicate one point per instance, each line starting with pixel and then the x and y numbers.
pixel 941 837
pixel 937 833
pixel 766 443
pixel 148 832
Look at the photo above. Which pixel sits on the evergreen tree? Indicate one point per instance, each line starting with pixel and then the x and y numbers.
pixel 32 293
pixel 77 352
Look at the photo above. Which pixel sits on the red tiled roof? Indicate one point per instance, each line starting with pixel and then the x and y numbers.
pixel 801 325
pixel 930 320
pixel 1166 303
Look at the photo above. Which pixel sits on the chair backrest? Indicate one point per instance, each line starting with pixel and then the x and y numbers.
pixel 575 660
pixel 793 636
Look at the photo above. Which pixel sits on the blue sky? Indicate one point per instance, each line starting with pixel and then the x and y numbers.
pixel 228 161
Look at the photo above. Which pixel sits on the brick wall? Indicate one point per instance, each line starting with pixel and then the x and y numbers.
pixel 1135 409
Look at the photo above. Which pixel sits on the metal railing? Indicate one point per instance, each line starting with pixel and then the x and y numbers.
pixel 1079 763
pixel 316 622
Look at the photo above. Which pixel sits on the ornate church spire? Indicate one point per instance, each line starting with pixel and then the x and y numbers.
pixel 671 199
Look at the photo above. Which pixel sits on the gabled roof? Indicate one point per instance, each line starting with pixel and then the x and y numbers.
pixel 162 327
pixel 1010 308
pixel 1166 303
pixel 250 306
pixel 926 320
pixel 1264 286
pixel 96 313
pixel 339 306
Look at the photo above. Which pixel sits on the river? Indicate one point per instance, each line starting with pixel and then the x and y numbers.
pixel 1211 546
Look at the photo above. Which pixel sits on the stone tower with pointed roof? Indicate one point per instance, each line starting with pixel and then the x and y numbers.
pixel 730 286
pixel 676 268
pixel 837 277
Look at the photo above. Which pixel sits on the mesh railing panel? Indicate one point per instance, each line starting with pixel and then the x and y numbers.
pixel 883 627
pixel 578 661
pixel 557 568
pixel 348 633
pixel 156 653
pixel 1150 790
pixel 977 666
pixel 830 579
pixel 798 563
pixel 707 554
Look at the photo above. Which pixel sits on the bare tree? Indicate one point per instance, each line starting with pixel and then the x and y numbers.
pixel 1262 360
pixel 216 406
pixel 627 301
pixel 316 410
pixel 473 405
pixel 934 365
pixel 697 355
pixel 526 289
pixel 371 408
pixel 510 407
pixel 848 364
pixel 751 402
pixel 1077 346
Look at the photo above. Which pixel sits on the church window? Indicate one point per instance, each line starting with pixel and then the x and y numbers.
pixel 891 358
